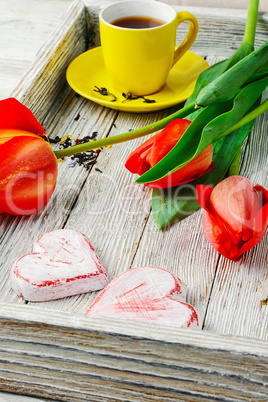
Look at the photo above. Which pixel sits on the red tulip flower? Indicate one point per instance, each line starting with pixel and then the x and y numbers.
pixel 158 146
pixel 236 215
pixel 28 166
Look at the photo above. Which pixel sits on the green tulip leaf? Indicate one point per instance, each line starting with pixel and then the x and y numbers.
pixel 227 85
pixel 215 71
pixel 243 102
pixel 174 204
pixel 209 126
pixel 185 149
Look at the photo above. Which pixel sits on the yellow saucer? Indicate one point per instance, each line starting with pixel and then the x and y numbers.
pixel 87 72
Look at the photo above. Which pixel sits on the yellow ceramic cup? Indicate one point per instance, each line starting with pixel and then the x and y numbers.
pixel 139 60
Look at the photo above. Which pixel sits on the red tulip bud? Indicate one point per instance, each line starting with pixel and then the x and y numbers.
pixel 236 215
pixel 158 146
pixel 28 166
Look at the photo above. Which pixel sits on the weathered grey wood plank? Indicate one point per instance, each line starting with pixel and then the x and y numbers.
pixel 107 360
pixel 44 81
pixel 238 303
pixel 109 227
pixel 24 27
pixel 221 30
pixel 70 181
pixel 52 62
pixel 150 363
pixel 11 397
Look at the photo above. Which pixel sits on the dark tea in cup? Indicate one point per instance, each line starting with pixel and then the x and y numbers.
pixel 137 22
pixel 138 59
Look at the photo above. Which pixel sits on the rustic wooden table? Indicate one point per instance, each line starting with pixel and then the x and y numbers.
pixel 52 350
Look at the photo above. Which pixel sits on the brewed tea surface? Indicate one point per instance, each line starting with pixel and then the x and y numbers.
pixel 137 22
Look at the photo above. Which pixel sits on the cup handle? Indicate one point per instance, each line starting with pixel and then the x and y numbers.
pixel 190 36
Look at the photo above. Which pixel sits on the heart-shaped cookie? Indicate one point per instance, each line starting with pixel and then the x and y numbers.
pixel 63 263
pixel 145 294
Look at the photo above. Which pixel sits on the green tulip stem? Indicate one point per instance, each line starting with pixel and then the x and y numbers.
pixel 131 135
pixel 250 28
pixel 106 142
pixel 263 107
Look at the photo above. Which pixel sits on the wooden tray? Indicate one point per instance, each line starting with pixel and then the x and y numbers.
pixel 52 349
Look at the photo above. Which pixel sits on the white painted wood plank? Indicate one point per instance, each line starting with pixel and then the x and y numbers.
pixel 24 27
pixel 45 79
pixel 10 397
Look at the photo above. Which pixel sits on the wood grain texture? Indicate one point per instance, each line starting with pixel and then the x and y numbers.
pixel 23 31
pixel 45 79
pixel 245 284
pixel 93 359
pixel 119 360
